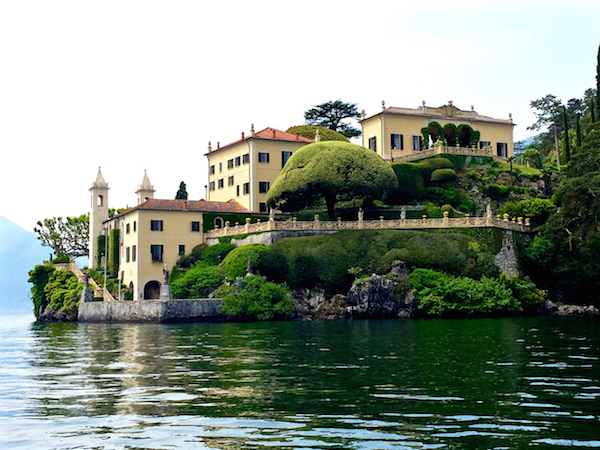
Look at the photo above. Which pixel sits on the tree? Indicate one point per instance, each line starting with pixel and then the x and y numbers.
pixel 331 114
pixel 65 236
pixel 598 83
pixel 182 192
pixel 566 131
pixel 310 131
pixel 547 112
pixel 333 171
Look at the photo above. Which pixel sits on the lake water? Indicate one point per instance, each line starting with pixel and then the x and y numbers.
pixel 370 384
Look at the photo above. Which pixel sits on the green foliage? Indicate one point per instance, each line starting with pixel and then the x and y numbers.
pixel 442 294
pixel 187 261
pixel 182 192
pixel 256 298
pixel 236 261
pixel 496 192
pixel 411 185
pixel 333 171
pixel 198 282
pixel 427 166
pixel 532 156
pixel 214 254
pixel 101 249
pixel 325 260
pixel 537 209
pixel 524 290
pixel 331 114
pixel 443 175
pixel 61 259
pixel 447 208
pixel 310 132
pixel 68 236
pixel 38 277
pixel 63 290
pixel 112 284
pixel 114 253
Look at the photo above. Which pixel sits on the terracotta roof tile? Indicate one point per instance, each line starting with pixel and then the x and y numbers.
pixel 230 206
pixel 271 134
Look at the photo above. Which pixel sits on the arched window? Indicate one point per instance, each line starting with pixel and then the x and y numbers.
pixel 218 222
pixel 101 200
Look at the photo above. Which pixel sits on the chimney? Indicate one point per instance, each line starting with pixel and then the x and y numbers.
pixel 242 135
pixel 218 145
pixel 209 147
pixel 274 133
pixel 297 136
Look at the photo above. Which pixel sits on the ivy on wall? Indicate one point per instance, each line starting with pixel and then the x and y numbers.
pixel 448 134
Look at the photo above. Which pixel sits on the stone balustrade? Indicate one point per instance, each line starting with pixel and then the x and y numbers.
pixel 381 224
pixel 445 150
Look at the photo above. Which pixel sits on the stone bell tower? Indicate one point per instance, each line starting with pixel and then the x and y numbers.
pixel 145 191
pixel 98 215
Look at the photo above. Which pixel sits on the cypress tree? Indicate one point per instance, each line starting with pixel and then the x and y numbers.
pixel 566 125
pixel 597 86
pixel 578 130
pixel 182 192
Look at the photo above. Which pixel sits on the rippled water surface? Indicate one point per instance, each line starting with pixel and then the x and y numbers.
pixel 477 383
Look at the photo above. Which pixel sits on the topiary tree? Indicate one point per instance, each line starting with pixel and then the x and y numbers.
pixel 331 170
pixel 443 175
pixel 310 132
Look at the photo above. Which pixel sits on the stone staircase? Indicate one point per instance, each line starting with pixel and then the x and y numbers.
pixel 98 290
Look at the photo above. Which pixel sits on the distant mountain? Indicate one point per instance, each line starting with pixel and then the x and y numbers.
pixel 20 251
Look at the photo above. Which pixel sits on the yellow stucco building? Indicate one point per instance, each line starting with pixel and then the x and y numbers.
pixel 152 234
pixel 245 169
pixel 399 132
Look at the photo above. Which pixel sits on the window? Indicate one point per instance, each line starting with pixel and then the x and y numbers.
pixel 237 190
pixel 263 207
pixel 285 155
pixel 373 143
pixel 263 187
pixel 133 253
pixel 212 170
pixel 181 250
pixel 127 254
pixel 417 143
pixel 220 167
pixel 230 181
pixel 220 183
pixel 238 161
pixel 502 149
pixel 246 158
pixel 263 157
pixel 218 222
pixel 195 226
pixel 156 225
pixel 230 163
pixel 127 228
pixel 246 188
pixel 134 226
pixel 212 186
pixel 484 144
pixel 397 142
pixel 157 252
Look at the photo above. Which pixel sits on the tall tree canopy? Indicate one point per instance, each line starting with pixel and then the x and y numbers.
pixel 333 171
pixel 182 192
pixel 65 236
pixel 331 114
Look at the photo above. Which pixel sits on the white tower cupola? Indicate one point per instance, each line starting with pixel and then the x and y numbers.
pixel 145 191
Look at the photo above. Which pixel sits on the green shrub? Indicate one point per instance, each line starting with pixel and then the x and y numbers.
pixel 410 182
pixel 61 259
pixel 525 290
pixel 187 261
pixel 428 166
pixel 38 277
pixel 442 294
pixel 255 298
pixel 198 282
pixel 236 261
pixel 433 212
pixel 310 131
pixel 214 254
pixel 538 209
pixel 466 204
pixel 443 175
pixel 496 192
pixel 447 208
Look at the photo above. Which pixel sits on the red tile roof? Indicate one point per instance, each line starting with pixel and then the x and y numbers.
pixel 230 206
pixel 270 134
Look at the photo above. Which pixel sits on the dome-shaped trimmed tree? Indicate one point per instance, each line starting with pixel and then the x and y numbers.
pixel 334 171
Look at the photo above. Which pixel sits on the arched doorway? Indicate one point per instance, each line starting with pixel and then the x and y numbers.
pixel 152 290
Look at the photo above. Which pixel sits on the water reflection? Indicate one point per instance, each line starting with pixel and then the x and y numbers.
pixel 508 383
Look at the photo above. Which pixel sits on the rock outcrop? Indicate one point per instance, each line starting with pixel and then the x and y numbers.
pixel 376 296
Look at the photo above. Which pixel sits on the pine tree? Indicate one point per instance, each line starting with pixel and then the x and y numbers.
pixel 597 88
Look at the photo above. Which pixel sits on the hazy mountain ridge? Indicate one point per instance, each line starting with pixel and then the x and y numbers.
pixel 20 251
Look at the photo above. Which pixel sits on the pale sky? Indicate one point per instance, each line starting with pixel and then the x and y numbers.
pixel 134 85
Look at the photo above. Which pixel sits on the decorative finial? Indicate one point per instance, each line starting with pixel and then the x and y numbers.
pixel 209 147
pixel 362 114
pixel 317 136
pixel 450 102
pixel 472 108
pixel 382 105
pixel 423 102
pixel 252 130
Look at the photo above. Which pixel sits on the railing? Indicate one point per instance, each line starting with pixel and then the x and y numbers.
pixel 382 224
pixel 72 267
pixel 445 150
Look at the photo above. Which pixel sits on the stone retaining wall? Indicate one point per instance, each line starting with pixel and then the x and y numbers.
pixel 151 311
